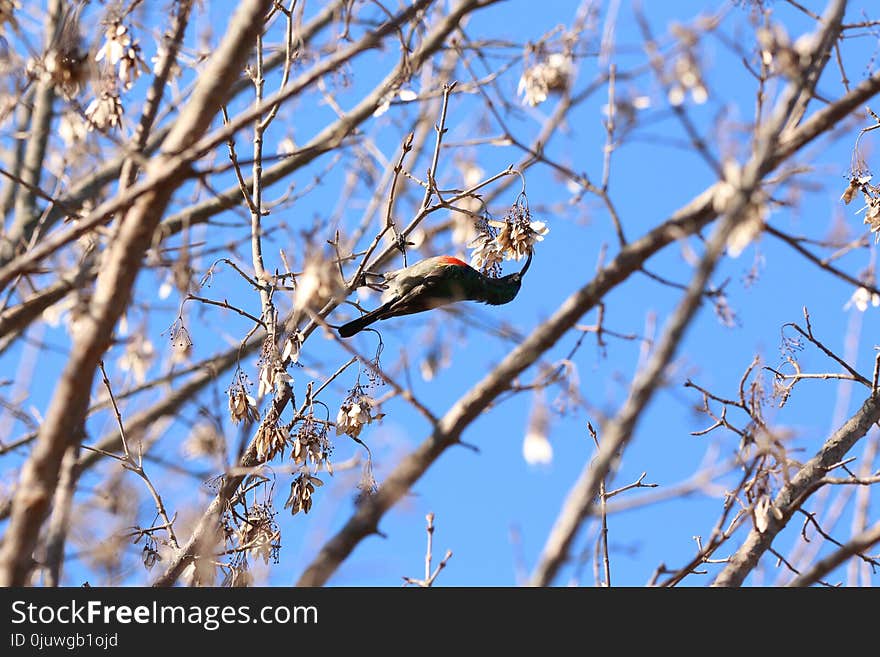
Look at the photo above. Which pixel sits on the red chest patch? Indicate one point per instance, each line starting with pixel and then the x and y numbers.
pixel 449 260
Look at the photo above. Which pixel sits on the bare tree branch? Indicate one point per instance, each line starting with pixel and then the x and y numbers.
pixel 26 215
pixel 858 543
pixel 123 261
pixel 618 432
pixel 432 41
pixel 793 494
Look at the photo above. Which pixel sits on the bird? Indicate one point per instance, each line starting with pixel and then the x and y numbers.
pixel 435 282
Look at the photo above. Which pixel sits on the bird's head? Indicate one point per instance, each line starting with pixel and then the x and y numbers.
pixel 505 289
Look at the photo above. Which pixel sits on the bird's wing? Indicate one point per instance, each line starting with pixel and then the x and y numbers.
pixel 416 299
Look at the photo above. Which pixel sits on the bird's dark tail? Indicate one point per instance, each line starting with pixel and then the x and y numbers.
pixel 362 322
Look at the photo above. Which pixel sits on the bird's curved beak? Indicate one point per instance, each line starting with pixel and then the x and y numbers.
pixel 522 272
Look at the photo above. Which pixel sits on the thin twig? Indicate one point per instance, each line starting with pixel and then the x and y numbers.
pixel 429 576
